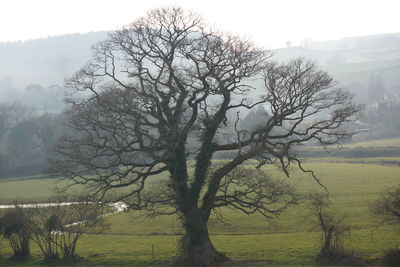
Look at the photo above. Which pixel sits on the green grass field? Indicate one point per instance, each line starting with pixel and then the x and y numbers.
pixel 290 240
pixel 390 142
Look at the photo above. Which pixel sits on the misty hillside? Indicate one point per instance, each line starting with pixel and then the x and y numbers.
pixel 46 61
pixel 33 72
pixel 353 61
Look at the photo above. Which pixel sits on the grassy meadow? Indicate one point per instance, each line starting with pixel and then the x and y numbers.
pixel 389 142
pixel 289 240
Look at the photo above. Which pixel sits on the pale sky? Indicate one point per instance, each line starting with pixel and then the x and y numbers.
pixel 270 23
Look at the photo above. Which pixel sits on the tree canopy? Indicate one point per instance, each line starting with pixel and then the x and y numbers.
pixel 166 94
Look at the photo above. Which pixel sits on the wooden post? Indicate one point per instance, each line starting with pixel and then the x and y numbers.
pixel 152 251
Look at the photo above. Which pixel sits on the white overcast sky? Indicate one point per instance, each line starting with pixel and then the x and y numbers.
pixel 270 23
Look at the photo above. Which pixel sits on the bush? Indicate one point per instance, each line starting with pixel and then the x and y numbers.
pixel 387 206
pixel 333 229
pixel 338 257
pixel 58 228
pixel 16 228
pixel 391 258
pixel 46 225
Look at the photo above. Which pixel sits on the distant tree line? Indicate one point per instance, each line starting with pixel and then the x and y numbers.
pixel 26 137
pixel 45 99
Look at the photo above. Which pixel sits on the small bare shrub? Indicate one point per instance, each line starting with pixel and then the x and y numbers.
pixel 333 233
pixel 56 229
pixel 15 227
pixel 387 206
pixel 391 257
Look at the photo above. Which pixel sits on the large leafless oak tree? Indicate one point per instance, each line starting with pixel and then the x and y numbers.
pixel 164 90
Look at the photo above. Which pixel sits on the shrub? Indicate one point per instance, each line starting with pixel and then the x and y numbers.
pixel 391 257
pixel 16 228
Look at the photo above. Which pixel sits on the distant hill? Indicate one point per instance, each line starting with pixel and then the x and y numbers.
pixel 369 42
pixel 352 61
pixel 33 72
pixel 350 50
pixel 44 63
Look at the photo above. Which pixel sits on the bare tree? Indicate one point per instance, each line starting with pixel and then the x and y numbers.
pixel 333 230
pixel 157 93
pixel 387 206
pixel 387 209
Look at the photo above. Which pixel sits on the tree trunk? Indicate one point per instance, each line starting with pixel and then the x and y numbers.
pixel 196 249
pixel 326 250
